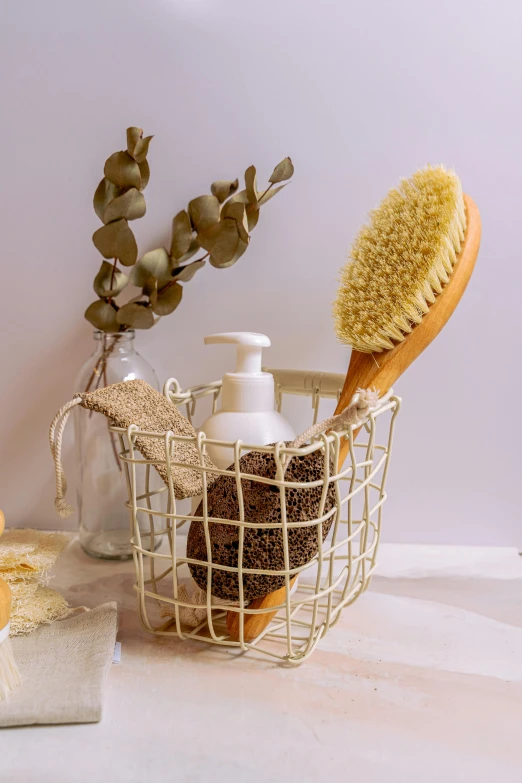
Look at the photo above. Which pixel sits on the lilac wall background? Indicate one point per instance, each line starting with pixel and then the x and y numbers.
pixel 359 94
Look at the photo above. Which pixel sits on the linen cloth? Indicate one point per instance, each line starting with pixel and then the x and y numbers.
pixel 63 668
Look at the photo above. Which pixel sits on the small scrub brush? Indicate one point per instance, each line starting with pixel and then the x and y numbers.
pixel 9 674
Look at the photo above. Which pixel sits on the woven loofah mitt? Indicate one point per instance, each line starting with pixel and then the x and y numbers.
pixel 136 402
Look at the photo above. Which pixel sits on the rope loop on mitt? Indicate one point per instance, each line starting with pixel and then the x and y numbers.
pixel 55 442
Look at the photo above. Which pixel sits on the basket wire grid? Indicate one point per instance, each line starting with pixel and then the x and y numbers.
pixel 333 579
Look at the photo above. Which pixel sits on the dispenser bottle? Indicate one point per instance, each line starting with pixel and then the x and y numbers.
pixel 247 401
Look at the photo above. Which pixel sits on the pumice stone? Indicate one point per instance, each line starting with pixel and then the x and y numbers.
pixel 262 547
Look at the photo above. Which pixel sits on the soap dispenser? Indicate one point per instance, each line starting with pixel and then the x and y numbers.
pixel 247 401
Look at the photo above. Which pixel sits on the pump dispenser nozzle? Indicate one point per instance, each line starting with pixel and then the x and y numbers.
pixel 249 348
pixel 248 388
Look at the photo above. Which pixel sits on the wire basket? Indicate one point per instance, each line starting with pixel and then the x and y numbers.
pixel 333 579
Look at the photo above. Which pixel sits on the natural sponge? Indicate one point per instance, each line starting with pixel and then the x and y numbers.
pixel 26 559
pixel 401 260
pixel 262 547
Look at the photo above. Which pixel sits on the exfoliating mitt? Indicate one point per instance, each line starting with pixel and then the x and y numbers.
pixel 136 402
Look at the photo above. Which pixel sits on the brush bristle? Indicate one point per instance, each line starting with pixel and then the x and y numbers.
pixel 401 260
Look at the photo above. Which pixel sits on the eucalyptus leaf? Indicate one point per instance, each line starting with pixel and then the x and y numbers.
pixel 250 184
pixel 109 282
pixel 185 273
pixel 181 234
pixel 150 289
pixel 241 198
pixel 237 212
pixel 220 261
pixel 252 211
pixel 282 171
pixel 252 216
pixel 116 240
pixel 194 247
pixel 270 194
pixel 137 146
pixel 104 194
pixel 224 188
pixel 168 299
pixel 155 263
pixel 103 316
pixel 142 149
pixel 136 315
pixel 123 170
pixel 222 242
pixel 145 174
pixel 139 276
pixel 131 205
pixel 133 136
pixel 207 239
pixel 136 299
pixel 204 212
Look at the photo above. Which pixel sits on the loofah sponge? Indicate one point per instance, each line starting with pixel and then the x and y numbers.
pixel 401 260
pixel 24 552
pixel 34 605
pixel 26 557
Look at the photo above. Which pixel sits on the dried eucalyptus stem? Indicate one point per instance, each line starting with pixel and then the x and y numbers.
pixel 118 199
pixel 218 223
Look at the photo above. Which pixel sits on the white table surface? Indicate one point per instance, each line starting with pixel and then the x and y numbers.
pixel 420 681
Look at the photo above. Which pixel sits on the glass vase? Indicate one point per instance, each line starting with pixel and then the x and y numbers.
pixel 101 489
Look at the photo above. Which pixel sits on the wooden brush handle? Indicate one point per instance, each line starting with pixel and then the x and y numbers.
pixel 5 604
pixel 255 623
pixel 5 593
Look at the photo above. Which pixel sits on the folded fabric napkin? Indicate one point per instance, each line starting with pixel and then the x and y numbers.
pixel 63 668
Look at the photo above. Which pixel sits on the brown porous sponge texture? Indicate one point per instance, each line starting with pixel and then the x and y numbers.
pixel 262 547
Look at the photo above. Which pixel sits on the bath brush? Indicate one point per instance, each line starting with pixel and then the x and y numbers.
pixel 406 273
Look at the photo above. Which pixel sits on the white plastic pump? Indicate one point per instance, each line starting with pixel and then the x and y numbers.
pixel 247 400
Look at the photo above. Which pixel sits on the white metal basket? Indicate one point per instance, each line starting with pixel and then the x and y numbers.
pixel 333 579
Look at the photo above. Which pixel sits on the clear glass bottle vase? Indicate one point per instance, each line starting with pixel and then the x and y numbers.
pixel 101 489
